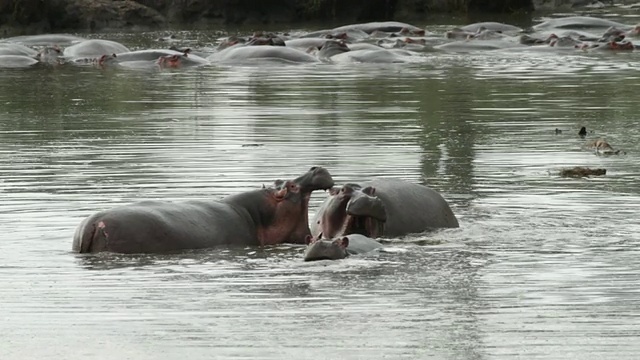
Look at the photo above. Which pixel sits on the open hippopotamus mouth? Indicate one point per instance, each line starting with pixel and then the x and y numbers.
pixel 356 212
pixel 363 225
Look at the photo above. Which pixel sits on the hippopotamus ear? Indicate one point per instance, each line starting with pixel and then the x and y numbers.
pixel 343 243
pixel 369 190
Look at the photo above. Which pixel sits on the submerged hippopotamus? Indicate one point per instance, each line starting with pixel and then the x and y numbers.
pixel 339 248
pixel 45 40
pixel 272 215
pixel 580 22
pixel 17 61
pixel 93 48
pixel 382 207
pixel 601 147
pixel 17 49
pixel 242 53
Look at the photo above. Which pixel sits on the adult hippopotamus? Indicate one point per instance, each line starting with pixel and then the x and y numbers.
pixel 93 48
pixel 580 22
pixel 17 49
pixel 382 207
pixel 268 216
pixel 242 54
pixel 490 25
pixel 145 59
pixel 384 26
pixel 17 61
pixel 45 40
pixel 339 248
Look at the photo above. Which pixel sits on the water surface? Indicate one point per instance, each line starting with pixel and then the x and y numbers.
pixel 541 267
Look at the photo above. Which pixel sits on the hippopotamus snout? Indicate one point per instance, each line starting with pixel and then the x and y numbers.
pixel 317 178
pixel 366 205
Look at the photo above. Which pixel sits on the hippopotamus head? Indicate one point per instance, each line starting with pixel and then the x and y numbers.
pixel 105 60
pixel 323 249
pixel 332 47
pixel 353 210
pixel 170 61
pixel 289 203
pixel 50 55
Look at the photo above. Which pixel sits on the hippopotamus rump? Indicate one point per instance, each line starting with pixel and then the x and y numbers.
pixel 268 216
pixel 339 248
pixel 382 207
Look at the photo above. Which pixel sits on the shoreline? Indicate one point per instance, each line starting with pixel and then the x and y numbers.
pixel 23 17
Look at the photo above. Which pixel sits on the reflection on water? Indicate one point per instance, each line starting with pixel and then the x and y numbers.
pixel 540 266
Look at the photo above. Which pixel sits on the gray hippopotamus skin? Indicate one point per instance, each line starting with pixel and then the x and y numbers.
pixel 17 61
pixel 45 40
pixel 272 215
pixel 94 48
pixel 246 53
pixel 339 248
pixel 580 22
pixel 382 207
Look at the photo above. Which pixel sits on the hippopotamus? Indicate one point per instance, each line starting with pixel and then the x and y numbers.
pixel 490 25
pixel 478 45
pixel 378 56
pixel 93 48
pixel 339 248
pixel 180 60
pixel 45 40
pixel 385 26
pixel 50 55
pixel 305 43
pixel 17 49
pixel 601 147
pixel 382 207
pixel 17 61
pixel 268 216
pixel 579 22
pixel 241 54
pixel 102 61
pixel 154 57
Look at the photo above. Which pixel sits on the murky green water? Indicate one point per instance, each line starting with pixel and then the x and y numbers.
pixel 542 267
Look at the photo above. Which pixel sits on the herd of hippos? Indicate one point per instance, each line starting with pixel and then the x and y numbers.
pixel 375 42
pixel 353 215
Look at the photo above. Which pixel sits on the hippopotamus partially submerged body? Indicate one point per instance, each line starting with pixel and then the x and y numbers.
pixel 94 48
pixel 268 216
pixel 339 248
pixel 580 22
pixel 17 61
pixel 382 207
pixel 492 26
pixel 239 54
pixel 601 147
pixel 45 40
pixel 384 26
pixel 477 45
pixel 17 49
pixel 154 57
